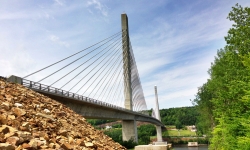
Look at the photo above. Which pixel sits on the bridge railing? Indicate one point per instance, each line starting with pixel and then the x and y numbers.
pixel 46 88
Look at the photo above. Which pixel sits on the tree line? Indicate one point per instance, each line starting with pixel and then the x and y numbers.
pixel 179 117
pixel 223 102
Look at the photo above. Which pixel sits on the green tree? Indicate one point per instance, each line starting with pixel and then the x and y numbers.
pixel 144 133
pixel 233 76
pixel 178 124
pixel 225 97
pixel 205 118
pixel 185 115
pixel 149 129
pixel 115 134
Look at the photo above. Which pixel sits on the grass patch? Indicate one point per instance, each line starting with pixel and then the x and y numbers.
pixel 170 126
pixel 178 133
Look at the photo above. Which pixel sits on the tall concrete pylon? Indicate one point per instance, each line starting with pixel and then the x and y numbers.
pixel 157 115
pixel 126 63
pixel 157 111
pixel 129 128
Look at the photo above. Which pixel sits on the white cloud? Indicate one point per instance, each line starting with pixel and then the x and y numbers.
pixel 97 5
pixel 56 39
pixel 59 2
pixel 21 62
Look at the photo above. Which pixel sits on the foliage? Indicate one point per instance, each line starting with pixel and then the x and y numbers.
pixel 144 133
pixel 178 124
pixel 179 116
pixel 95 122
pixel 224 101
pixel 205 119
pixel 149 129
pixel 129 144
pixel 117 125
pixel 115 134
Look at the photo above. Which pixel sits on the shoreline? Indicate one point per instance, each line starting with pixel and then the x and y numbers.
pixel 186 145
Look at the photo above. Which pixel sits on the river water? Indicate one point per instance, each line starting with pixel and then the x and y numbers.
pixel 191 148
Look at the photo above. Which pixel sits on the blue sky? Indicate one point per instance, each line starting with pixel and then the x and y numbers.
pixel 174 42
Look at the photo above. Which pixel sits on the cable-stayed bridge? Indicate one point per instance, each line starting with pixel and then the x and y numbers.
pixel 100 81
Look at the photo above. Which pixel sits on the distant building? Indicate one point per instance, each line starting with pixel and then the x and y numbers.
pixel 192 128
pixel 108 127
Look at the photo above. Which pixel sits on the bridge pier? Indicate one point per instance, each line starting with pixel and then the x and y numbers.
pixel 158 128
pixel 129 130
pixel 159 133
pixel 157 113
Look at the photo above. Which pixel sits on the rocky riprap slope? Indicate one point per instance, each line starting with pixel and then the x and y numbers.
pixel 29 120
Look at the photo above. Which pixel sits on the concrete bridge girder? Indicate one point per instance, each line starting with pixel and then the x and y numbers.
pixel 93 111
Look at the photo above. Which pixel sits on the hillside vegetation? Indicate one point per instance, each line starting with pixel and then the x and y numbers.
pixel 179 117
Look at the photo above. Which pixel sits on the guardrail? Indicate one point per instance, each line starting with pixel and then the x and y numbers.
pixel 46 88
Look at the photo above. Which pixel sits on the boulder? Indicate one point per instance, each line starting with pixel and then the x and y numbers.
pixel 6 146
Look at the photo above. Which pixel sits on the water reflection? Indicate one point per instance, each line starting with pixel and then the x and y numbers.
pixel 191 148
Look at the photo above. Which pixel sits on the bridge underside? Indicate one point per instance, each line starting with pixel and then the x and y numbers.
pixel 91 110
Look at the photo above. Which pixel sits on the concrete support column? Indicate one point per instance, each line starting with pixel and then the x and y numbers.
pixel 159 133
pixel 157 114
pixel 129 128
pixel 157 111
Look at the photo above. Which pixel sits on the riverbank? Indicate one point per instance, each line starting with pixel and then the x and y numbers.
pixel 176 140
pixel 185 147
pixel 185 140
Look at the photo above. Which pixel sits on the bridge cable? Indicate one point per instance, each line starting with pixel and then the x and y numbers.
pixel 94 75
pixel 81 79
pixel 107 84
pixel 110 79
pixel 138 96
pixel 103 79
pixel 121 88
pixel 88 65
pixel 73 61
pixel 116 87
pixel 113 77
pixel 99 83
pixel 90 72
pixel 98 77
pixel 120 80
pixel 109 71
pixel 72 55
